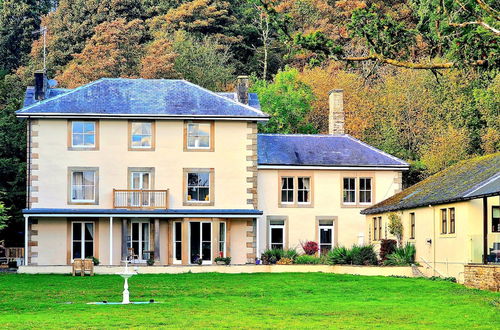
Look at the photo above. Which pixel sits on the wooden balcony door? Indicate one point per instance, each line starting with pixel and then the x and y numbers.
pixel 140 181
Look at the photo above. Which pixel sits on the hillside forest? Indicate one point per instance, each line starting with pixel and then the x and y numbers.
pixel 420 77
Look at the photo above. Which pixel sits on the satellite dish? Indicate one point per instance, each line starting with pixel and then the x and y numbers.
pixel 52 83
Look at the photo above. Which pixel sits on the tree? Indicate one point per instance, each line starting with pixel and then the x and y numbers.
pixel 395 227
pixel 204 62
pixel 288 101
pixel 114 51
pixel 200 18
pixel 3 216
pixel 18 20
pixel 159 60
pixel 464 33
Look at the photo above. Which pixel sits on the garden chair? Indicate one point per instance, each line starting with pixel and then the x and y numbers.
pixel 88 266
pixel 78 267
pixel 132 256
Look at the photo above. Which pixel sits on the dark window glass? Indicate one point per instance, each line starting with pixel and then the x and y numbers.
pixel 496 219
pixel 452 220
pixel 349 190
pixel 444 222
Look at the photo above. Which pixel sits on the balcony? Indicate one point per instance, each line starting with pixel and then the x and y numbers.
pixel 140 199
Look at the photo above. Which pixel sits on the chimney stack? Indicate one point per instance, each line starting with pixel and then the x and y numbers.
pixel 242 83
pixel 41 83
pixel 336 116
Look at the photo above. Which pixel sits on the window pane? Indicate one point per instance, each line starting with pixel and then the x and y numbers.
pixel 77 127
pixel 88 178
pixel 204 129
pixel 178 250
pixel 77 250
pixel 89 249
pixel 206 234
pixel 277 222
pixel 88 140
pixel 192 179
pixel 284 198
pixel 135 231
pixel 89 231
pixel 206 250
pixel 277 235
pixel 204 142
pixel 222 231
pixel 290 195
pixel 203 194
pixel 326 235
pixel 496 212
pixel 89 127
pixel 77 139
pixel 178 231
pixel 77 231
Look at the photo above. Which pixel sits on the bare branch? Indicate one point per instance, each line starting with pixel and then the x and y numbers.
pixel 485 25
pixel 409 65
pixel 494 13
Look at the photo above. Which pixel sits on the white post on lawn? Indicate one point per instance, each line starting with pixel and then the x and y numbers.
pixel 110 241
pixel 26 219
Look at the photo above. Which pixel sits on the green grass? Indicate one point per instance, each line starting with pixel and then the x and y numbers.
pixel 311 300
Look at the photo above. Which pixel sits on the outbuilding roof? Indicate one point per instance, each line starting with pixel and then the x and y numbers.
pixel 321 151
pixel 474 178
pixel 120 97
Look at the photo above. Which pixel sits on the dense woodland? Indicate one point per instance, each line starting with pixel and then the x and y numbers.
pixel 420 76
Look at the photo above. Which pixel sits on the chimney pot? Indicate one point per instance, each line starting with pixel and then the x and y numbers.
pixel 41 83
pixel 336 115
pixel 242 84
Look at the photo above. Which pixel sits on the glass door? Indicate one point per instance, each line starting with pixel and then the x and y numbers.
pixel 200 246
pixel 325 236
pixel 82 240
pixel 139 235
pixel 140 181
pixel 177 240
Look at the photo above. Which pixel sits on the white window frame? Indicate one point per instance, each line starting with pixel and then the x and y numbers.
pixel 188 136
pixel 344 190
pixel 140 240
pixel 175 240
pixel 365 190
pixel 82 241
pixel 150 146
pixel 204 262
pixel 222 241
pixel 83 134
pixel 277 226
pixel 304 189
pixel 287 189
pixel 83 186
pixel 146 196
pixel 323 226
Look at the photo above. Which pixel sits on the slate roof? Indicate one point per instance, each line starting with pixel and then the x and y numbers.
pixel 253 99
pixel 29 96
pixel 120 97
pixel 469 179
pixel 321 150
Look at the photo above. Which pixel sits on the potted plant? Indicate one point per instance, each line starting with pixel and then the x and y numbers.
pixel 95 261
pixel 223 260
pixel 150 262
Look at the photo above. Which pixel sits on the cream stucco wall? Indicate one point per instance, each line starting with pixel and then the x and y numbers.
pixel 301 224
pixel 113 159
pixel 445 254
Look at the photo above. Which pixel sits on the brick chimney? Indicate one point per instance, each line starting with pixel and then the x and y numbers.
pixel 41 83
pixel 242 83
pixel 336 116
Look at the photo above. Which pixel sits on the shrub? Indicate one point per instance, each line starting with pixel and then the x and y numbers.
pixel 310 248
pixel 363 255
pixel 285 261
pixel 404 256
pixel 290 254
pixel 339 255
pixel 307 260
pixel 387 246
pixel 272 255
pixel 357 255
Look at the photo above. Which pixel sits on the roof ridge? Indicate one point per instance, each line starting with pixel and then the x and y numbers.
pixel 70 91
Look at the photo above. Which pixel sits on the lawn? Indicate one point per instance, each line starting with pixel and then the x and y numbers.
pixel 309 300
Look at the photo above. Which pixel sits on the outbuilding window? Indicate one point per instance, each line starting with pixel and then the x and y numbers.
pixel 444 222
pixel 495 219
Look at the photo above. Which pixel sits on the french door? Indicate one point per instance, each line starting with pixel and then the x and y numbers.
pixel 325 236
pixel 82 240
pixel 140 181
pixel 200 242
pixel 139 239
pixel 177 240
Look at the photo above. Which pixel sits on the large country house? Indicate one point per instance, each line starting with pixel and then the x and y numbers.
pixel 167 170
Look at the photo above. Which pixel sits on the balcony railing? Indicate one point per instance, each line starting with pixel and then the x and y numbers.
pixel 140 199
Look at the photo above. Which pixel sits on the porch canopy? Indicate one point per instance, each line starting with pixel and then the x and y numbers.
pixel 126 214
